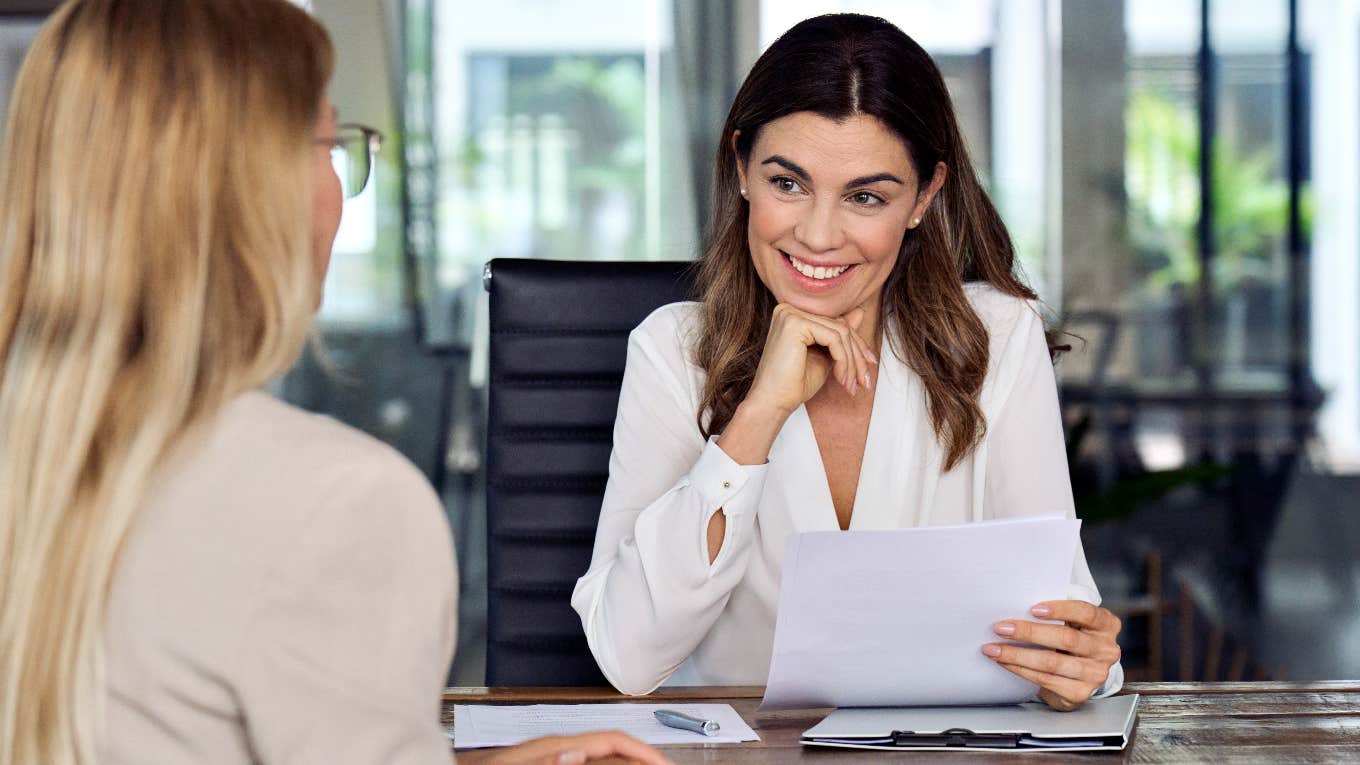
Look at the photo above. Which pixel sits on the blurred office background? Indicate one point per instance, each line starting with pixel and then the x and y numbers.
pixel 1181 178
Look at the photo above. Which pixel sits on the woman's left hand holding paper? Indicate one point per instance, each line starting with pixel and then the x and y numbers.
pixel 1069 661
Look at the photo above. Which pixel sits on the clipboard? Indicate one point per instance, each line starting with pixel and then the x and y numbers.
pixel 1101 725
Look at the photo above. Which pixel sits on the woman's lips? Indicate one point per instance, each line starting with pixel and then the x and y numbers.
pixel 811 284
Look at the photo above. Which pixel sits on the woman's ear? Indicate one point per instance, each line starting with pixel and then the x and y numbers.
pixel 737 160
pixel 927 193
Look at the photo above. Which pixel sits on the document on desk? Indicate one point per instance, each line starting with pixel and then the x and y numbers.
pixel 898 618
pixel 482 725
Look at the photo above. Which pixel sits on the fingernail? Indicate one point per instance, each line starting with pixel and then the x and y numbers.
pixel 868 383
pixel 571 758
pixel 992 649
pixel 1041 611
pixel 1004 628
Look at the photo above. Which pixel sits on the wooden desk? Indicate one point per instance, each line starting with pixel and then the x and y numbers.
pixel 1177 723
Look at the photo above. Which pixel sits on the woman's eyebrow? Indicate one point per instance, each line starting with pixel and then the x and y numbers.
pixel 788 165
pixel 865 180
pixel 868 179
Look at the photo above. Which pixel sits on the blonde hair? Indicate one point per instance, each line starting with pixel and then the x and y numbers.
pixel 155 261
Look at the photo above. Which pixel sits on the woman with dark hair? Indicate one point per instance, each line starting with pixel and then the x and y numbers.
pixel 853 243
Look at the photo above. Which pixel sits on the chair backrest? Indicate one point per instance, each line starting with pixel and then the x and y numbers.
pixel 559 339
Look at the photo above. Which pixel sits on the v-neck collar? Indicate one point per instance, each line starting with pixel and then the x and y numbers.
pixel 901 462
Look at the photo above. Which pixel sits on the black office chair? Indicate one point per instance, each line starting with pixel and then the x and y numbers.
pixel 559 339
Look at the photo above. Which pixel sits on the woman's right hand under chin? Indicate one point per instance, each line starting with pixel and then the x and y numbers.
pixel 802 350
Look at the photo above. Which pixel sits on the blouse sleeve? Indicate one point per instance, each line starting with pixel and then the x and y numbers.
pixel 651 594
pixel 1027 453
pixel 346 654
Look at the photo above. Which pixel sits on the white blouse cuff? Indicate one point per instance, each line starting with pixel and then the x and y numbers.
pixel 1113 682
pixel 722 483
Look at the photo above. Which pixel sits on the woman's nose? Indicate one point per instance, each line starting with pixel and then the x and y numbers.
pixel 819 228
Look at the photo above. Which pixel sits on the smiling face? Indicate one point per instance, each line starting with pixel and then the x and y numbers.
pixel 829 204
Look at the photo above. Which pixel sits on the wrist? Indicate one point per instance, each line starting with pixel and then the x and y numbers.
pixel 757 410
pixel 751 432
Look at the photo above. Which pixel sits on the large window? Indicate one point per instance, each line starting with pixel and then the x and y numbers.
pixel 546 130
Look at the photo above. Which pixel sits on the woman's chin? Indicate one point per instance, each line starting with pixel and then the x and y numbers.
pixel 830 305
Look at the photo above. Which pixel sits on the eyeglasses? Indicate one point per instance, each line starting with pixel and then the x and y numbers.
pixel 352 151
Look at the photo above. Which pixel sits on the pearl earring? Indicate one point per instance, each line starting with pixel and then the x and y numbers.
pixel 915 222
pixel 743 193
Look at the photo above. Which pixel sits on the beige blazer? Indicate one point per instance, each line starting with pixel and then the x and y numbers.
pixel 288 595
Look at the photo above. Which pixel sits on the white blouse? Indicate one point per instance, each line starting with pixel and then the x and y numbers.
pixel 654 609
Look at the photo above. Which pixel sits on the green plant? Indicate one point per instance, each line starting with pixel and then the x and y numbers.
pixel 1251 201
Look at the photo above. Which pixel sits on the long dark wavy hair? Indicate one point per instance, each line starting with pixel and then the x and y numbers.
pixel 839 66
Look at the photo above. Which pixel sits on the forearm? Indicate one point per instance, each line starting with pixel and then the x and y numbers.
pixel 638 633
pixel 747 439
pixel 652 592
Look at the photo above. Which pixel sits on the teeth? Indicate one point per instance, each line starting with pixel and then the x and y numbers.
pixel 817 272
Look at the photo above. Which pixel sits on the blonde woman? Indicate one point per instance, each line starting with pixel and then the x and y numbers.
pixel 191 571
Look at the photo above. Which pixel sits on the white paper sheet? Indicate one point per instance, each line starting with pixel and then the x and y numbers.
pixel 899 617
pixel 483 725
